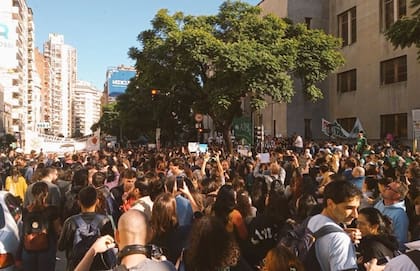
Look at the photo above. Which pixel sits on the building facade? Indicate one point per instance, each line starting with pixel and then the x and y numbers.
pixel 62 59
pixel 378 84
pixel 86 108
pixel 45 75
pixel 301 115
pixel 17 71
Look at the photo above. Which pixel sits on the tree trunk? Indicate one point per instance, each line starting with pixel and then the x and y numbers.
pixel 227 138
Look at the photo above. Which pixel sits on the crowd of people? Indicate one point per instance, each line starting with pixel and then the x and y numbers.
pixel 175 210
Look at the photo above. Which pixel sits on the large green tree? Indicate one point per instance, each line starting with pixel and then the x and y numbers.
pixel 406 31
pixel 213 62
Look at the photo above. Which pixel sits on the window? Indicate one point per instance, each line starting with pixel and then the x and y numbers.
pixel 394 70
pixel 391 11
pixel 308 22
pixel 396 124
pixel 347 26
pixel 347 123
pixel 347 81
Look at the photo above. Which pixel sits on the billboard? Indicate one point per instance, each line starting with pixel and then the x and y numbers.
pixel 7 44
pixel 118 81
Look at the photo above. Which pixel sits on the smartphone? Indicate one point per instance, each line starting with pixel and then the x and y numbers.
pixel 179 182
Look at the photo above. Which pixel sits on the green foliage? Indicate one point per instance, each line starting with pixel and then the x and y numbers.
pixel 406 32
pixel 211 62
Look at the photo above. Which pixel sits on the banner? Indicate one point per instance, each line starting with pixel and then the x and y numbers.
pixel 52 144
pixel 335 130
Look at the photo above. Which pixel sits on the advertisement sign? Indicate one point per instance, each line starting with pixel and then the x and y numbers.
pixel 8 38
pixel 118 81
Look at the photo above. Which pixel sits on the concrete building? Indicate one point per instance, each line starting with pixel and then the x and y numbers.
pixel 378 84
pixel 86 108
pixel 62 59
pixel 16 43
pixel 45 74
pixel 301 115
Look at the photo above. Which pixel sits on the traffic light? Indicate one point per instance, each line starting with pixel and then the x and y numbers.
pixel 154 93
pixel 258 133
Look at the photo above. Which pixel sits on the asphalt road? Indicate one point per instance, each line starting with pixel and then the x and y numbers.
pixel 61 261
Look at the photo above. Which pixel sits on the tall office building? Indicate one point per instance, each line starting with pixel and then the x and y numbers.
pixel 86 108
pixel 16 72
pixel 62 59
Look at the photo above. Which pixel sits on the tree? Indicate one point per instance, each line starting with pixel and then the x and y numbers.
pixel 213 62
pixel 406 31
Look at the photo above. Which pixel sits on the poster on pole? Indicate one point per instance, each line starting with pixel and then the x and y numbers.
pixel 416 123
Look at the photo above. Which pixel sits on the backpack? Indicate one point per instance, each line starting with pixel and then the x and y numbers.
pixel 85 235
pixel 301 242
pixel 36 227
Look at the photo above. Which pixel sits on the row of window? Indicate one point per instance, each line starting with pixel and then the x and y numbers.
pixel 390 12
pixel 391 71
pixel 396 124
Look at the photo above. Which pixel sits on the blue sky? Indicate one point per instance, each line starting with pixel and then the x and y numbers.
pixel 103 30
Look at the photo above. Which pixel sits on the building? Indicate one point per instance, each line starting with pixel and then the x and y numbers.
pixel 117 80
pixel 16 73
pixel 86 108
pixel 378 84
pixel 62 59
pixel 45 74
pixel 301 115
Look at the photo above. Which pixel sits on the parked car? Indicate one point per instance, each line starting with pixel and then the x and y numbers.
pixel 10 217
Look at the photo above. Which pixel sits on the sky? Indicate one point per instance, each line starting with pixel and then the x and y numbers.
pixel 102 31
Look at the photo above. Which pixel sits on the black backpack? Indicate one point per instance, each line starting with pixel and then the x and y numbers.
pixel 301 242
pixel 84 237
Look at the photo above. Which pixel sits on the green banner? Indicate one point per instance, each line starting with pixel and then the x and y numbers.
pixel 242 128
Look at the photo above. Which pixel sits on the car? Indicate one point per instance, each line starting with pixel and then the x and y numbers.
pixel 10 217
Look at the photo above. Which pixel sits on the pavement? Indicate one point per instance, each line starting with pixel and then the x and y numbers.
pixel 61 261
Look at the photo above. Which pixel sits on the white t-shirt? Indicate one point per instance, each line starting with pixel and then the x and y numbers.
pixel 335 251
pixel 401 263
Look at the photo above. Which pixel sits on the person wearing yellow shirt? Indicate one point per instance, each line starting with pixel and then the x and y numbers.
pixel 16 183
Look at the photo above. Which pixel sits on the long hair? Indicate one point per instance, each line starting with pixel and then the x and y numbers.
pixel 374 217
pixel 225 202
pixel 164 217
pixel 211 247
pixel 40 193
pixel 280 258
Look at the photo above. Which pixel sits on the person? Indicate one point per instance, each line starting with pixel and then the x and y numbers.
pixel 166 232
pixel 42 216
pixel 48 176
pixel 361 143
pixel 281 258
pixel 378 240
pixel 393 205
pixel 16 183
pixel 132 232
pixel 336 251
pixel 211 247
pixel 297 143
pixel 121 192
pixel 88 200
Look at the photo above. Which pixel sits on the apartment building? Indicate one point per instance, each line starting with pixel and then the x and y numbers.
pixel 378 84
pixel 45 75
pixel 62 59
pixel 86 108
pixel 16 36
